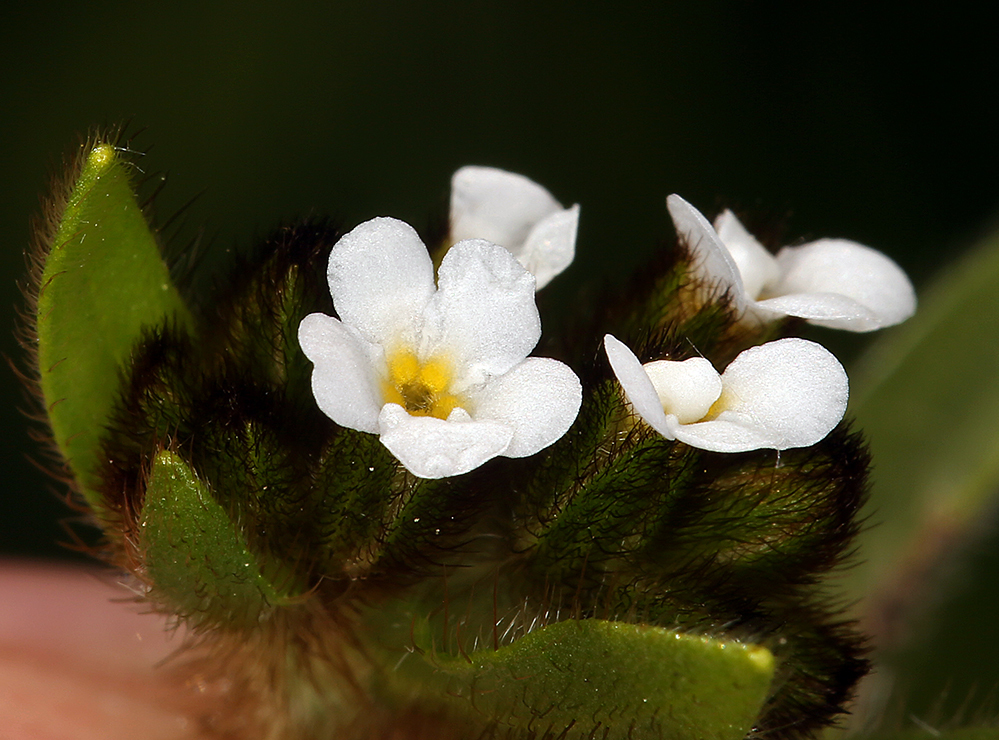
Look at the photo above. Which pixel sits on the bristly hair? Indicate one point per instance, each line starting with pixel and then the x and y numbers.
pixel 44 230
pixel 217 381
pixel 181 261
pixel 612 521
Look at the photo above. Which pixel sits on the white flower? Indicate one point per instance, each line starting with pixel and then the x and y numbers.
pixel 830 282
pixel 516 213
pixel 440 373
pixel 783 394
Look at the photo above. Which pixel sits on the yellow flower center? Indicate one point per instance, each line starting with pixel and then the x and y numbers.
pixel 725 400
pixel 420 388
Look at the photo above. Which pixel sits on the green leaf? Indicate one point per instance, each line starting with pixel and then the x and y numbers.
pixel 967 733
pixel 197 559
pixel 103 281
pixel 927 398
pixel 597 678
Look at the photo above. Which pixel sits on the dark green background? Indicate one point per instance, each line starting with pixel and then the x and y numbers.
pixel 825 122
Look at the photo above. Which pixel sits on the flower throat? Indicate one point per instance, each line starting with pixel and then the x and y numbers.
pixel 420 388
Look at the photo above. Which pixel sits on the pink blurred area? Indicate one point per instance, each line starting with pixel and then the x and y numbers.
pixel 79 660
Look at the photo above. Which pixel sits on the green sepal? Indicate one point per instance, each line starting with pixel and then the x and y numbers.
pixel 612 521
pixel 669 312
pixel 103 282
pixel 196 558
pixel 598 678
pixel 615 496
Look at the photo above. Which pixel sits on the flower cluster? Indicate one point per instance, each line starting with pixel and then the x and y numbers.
pixel 472 514
pixel 441 373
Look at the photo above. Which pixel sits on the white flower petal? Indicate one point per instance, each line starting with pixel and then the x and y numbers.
pixel 831 282
pixel 551 245
pixel 788 393
pixel 728 433
pixel 792 390
pixel 712 260
pixel 825 309
pixel 864 275
pixel 637 386
pixel 343 382
pixel 439 448
pixel 538 399
pixel 469 337
pixel 686 389
pixel 483 316
pixel 757 267
pixel 381 278
pixel 499 206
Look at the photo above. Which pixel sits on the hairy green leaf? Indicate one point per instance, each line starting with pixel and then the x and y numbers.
pixel 196 557
pixel 103 281
pixel 597 678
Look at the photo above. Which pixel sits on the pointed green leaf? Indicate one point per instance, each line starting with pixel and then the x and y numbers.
pixel 196 558
pixel 103 281
pixel 596 678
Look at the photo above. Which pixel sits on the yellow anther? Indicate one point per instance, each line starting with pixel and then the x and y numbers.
pixel 421 389
pixel 391 394
pixel 724 401
pixel 444 406
pixel 435 375
pixel 403 367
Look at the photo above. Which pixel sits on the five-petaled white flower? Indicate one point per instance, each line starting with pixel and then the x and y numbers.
pixel 440 373
pixel 783 394
pixel 830 282
pixel 516 213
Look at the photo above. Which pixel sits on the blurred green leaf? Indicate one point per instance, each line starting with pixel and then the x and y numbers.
pixel 968 733
pixel 103 281
pixel 927 398
pixel 611 680
pixel 196 558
